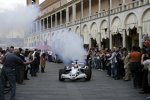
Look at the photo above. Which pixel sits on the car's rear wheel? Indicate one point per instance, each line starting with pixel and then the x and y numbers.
pixel 61 71
pixel 88 73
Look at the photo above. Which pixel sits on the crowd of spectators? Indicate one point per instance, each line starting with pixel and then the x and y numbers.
pixel 119 64
pixel 16 65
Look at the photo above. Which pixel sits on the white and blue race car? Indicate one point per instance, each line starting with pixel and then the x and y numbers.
pixel 74 71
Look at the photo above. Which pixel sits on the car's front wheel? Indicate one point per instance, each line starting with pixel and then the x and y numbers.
pixel 88 72
pixel 61 71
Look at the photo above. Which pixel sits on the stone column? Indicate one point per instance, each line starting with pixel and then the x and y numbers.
pixel 43 27
pixel 32 29
pixel 110 41
pixel 60 17
pixel 144 1
pixel 110 4
pixel 37 29
pixel 37 25
pixel 124 1
pixel 99 6
pixel 140 36
pixel 74 12
pixel 40 28
pixel 99 41
pixel 47 22
pixel 124 38
pixel 41 24
pixel 90 8
pixel 37 2
pixel 51 21
pixel 34 26
pixel 56 20
pixel 67 15
pixel 89 35
pixel 140 2
pixel 81 8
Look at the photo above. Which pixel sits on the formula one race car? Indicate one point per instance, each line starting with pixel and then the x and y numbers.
pixel 75 71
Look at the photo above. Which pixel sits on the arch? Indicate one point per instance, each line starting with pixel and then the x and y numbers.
pixel 104 29
pixel 94 29
pixel 85 29
pixel 85 34
pixel 57 32
pixel 146 21
pixel 53 34
pixel 116 25
pixel 62 31
pixel 49 35
pixel 69 29
pixel 131 21
pixel 94 32
pixel 77 31
pixel 103 25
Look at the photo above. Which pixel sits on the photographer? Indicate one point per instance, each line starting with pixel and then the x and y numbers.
pixel 10 61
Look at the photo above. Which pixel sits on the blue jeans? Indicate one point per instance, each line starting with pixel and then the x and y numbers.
pixel 113 70
pixel 10 75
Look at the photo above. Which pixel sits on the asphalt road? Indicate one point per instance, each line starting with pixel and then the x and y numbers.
pixel 46 86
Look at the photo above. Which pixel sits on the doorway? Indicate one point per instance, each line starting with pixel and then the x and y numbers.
pixel 105 43
pixel 132 39
pixel 93 43
pixel 117 40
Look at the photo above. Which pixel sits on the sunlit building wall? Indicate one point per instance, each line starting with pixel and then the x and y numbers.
pixel 109 23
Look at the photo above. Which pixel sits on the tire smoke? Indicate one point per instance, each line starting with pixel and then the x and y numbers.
pixel 68 46
pixel 18 20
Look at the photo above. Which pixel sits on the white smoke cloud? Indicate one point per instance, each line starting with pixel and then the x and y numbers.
pixel 68 46
pixel 17 20
pixel 11 4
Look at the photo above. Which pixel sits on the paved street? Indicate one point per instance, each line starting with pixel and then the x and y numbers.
pixel 47 87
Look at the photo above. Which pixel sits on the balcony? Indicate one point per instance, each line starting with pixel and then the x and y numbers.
pixel 116 10
pixel 130 6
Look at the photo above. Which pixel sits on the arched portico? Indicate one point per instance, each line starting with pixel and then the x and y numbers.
pixel 104 34
pixel 94 35
pixel 85 33
pixel 69 29
pixel 77 31
pixel 132 36
pixel 116 32
pixel 146 22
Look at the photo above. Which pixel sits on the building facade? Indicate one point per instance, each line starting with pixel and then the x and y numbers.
pixel 109 23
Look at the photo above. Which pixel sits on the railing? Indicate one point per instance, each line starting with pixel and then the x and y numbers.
pixel 116 10
pixel 84 19
pixel 70 23
pixel 77 21
pixel 94 16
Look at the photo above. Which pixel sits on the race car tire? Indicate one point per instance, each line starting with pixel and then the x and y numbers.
pixel 88 73
pixel 61 71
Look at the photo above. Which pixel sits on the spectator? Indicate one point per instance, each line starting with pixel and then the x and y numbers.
pixel 135 67
pixel 113 62
pixel 27 67
pixel 10 61
pixel 127 76
pixel 145 62
pixel 43 62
